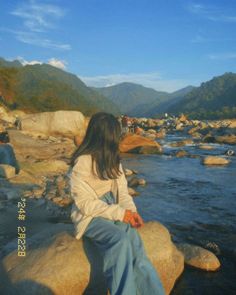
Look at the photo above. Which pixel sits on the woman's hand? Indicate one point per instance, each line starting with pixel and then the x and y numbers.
pixel 133 218
pixel 138 219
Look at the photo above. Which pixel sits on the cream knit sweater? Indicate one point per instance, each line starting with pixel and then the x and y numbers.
pixel 85 189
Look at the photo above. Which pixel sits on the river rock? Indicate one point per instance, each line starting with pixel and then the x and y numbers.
pixel 227 139
pixel 66 123
pixel 183 118
pixel 199 257
pixel 133 143
pixel 128 172
pixel 230 153
pixel 136 181
pixel 152 131
pixel 62 202
pixel 161 134
pixel 193 130
pixel 133 192
pixel 179 126
pixel 181 143
pixel 151 123
pixel 59 264
pixel 206 147
pixel 197 135
pixel 215 160
pixel 7 171
pixel 209 138
pixel 149 135
pixel 142 181
pixel 181 154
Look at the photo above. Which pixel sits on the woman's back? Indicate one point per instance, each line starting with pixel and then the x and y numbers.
pixel 88 174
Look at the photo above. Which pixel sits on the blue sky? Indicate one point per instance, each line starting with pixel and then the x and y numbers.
pixel 163 44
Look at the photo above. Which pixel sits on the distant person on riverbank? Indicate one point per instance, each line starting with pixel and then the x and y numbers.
pixel 7 154
pixel 105 214
pixel 124 123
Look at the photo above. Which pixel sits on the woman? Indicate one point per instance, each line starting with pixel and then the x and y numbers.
pixel 104 212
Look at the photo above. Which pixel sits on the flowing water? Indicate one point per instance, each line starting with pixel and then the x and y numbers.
pixel 197 203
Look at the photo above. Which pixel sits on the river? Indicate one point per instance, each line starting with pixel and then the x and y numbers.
pixel 197 205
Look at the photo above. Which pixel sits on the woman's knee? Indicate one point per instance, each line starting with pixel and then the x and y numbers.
pixel 121 236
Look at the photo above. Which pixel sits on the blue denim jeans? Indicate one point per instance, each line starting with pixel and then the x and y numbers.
pixel 126 267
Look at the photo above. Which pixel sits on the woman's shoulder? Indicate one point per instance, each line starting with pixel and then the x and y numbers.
pixel 83 162
pixel 84 157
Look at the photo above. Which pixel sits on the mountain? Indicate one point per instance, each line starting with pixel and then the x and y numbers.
pixel 10 64
pixel 164 107
pixel 214 99
pixel 182 92
pixel 36 88
pixel 132 99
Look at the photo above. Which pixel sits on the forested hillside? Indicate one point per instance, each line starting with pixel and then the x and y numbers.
pixel 214 99
pixel 35 88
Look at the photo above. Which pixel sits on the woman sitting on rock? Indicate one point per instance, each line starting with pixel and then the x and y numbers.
pixel 104 212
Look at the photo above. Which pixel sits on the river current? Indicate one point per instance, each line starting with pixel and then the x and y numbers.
pixel 197 204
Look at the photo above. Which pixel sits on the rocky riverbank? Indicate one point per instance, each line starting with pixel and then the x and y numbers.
pixel 42 157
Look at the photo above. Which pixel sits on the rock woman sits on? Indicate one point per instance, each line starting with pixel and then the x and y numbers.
pixel 104 212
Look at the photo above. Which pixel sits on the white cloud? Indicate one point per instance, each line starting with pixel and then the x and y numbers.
pixel 223 56
pixel 24 62
pixel 210 12
pixel 152 80
pixel 38 19
pixel 200 38
pixel 60 64
pixel 38 16
pixel 34 39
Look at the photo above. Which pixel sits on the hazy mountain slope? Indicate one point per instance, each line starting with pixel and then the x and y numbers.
pixel 172 99
pixel 129 96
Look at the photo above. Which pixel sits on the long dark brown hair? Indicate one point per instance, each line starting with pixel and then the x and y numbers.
pixel 102 142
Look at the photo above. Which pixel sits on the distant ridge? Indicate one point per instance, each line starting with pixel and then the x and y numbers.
pixel 137 100
pixel 214 99
pixel 164 107
pixel 36 88
pixel 129 97
pixel 42 87
pixel 10 64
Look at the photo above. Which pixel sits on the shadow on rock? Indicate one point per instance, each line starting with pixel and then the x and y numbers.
pixel 27 287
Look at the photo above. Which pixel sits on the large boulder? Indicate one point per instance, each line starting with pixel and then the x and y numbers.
pixel 59 264
pixel 28 147
pixel 45 167
pixel 133 143
pixel 66 123
pixel 199 257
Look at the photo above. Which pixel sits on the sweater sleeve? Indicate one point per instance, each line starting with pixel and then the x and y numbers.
pixel 125 200
pixel 84 199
